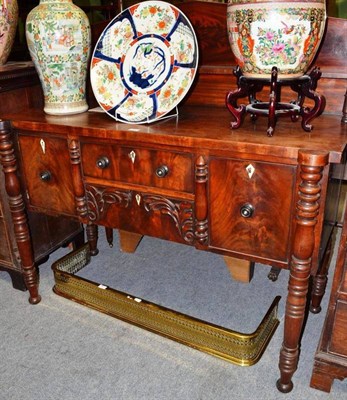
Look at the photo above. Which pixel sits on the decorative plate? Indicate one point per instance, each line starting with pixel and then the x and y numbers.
pixel 144 62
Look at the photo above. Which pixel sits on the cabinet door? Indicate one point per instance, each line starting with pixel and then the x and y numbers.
pixel 47 174
pixel 250 207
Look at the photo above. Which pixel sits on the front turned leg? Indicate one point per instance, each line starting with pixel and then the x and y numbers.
pixel 311 167
pixel 92 237
pixel 17 208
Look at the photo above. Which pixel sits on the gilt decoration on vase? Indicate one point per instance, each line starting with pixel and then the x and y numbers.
pixel 8 27
pixel 275 33
pixel 58 38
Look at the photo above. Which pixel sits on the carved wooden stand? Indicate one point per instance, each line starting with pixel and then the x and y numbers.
pixel 304 86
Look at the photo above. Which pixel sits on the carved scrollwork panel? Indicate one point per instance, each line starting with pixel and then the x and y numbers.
pixel 100 198
pixel 181 213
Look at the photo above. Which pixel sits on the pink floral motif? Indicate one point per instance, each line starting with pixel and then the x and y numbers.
pixel 278 47
pixel 269 35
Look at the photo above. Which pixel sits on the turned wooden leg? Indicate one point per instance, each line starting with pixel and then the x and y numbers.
pixel 129 241
pixel 109 236
pixel 273 274
pixel 311 167
pixel 240 270
pixel 92 237
pixel 320 281
pixel 17 208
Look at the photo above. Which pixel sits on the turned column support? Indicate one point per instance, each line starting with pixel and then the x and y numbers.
pixel 311 167
pixel 17 208
pixel 77 179
pixel 201 201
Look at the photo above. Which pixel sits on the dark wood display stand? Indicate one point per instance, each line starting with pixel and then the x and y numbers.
pixel 249 87
pixel 20 89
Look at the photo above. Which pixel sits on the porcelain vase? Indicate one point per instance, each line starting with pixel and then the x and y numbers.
pixel 8 27
pixel 275 33
pixel 58 38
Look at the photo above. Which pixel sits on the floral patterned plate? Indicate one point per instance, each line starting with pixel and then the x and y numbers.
pixel 144 62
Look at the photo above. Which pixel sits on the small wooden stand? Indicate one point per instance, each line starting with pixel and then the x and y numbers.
pixel 304 86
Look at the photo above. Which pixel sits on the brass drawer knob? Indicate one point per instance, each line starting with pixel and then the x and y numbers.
pixel 45 176
pixel 247 210
pixel 162 171
pixel 102 162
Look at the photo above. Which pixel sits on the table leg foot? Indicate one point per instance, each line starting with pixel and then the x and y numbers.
pixel 284 387
pixel 35 299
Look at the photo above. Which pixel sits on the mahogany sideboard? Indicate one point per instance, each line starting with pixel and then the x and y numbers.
pixel 190 180
pixel 20 89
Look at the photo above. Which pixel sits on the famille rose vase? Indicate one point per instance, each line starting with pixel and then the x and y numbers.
pixel 275 33
pixel 58 38
pixel 8 27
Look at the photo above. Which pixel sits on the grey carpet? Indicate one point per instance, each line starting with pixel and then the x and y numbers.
pixel 63 350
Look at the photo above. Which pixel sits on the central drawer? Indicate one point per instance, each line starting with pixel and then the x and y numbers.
pixel 141 166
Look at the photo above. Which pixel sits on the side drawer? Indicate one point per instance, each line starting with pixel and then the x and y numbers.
pixel 139 166
pixel 266 192
pixel 47 174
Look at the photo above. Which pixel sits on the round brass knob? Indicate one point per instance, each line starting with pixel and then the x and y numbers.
pixel 102 162
pixel 45 176
pixel 247 210
pixel 162 171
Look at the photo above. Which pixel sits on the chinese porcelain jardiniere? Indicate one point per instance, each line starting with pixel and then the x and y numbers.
pixel 8 26
pixel 58 37
pixel 275 33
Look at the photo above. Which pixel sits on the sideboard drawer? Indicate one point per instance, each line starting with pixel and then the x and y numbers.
pixel 250 207
pixel 46 169
pixel 162 169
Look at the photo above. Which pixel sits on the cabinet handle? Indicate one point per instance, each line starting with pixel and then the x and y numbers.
pixel 45 176
pixel 247 210
pixel 162 171
pixel 103 162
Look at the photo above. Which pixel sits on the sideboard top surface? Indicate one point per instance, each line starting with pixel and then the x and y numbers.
pixel 198 128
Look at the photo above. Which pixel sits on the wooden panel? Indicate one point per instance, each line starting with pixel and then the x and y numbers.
pixel 57 193
pixel 269 191
pixel 210 25
pixel 5 250
pixel 142 170
pixel 338 343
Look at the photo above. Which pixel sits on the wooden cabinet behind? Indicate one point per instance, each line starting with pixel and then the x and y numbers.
pixel 20 89
pixel 331 357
